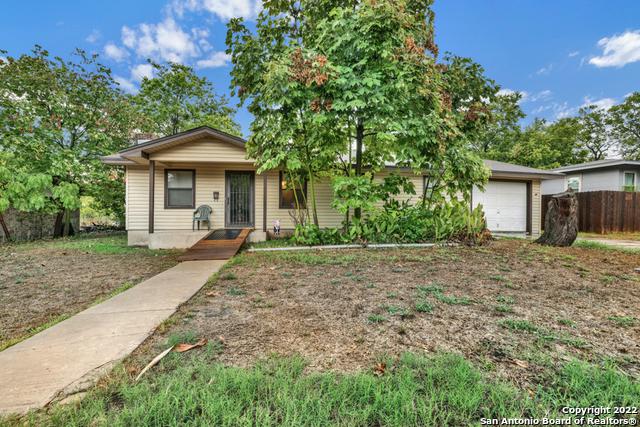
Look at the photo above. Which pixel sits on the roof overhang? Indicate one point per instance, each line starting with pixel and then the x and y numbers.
pixel 524 176
pixel 601 165
pixel 139 154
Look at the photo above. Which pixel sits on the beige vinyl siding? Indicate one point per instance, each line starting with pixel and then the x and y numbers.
pixel 536 207
pixel 137 198
pixel 202 151
pixel 327 216
pixel 209 178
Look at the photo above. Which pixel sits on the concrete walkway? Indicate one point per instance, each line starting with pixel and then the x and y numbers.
pixel 630 244
pixel 73 354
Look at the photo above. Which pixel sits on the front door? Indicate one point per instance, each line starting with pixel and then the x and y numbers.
pixel 239 199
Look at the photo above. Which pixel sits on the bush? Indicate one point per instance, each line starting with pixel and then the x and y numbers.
pixel 403 223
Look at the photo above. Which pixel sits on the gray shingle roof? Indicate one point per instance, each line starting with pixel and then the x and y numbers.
pixel 597 164
pixel 502 167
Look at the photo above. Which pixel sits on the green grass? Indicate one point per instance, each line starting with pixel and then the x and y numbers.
pixel 624 321
pixel 518 325
pixel 453 300
pixel 423 306
pixel 543 334
pixel 236 292
pixel 111 244
pixel 567 322
pixel 504 308
pixel 437 292
pixel 376 318
pixel 590 244
pixel 415 390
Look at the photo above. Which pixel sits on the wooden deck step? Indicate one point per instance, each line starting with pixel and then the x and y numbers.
pixel 215 249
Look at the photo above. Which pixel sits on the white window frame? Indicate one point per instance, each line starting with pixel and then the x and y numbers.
pixel 576 177
pixel 624 179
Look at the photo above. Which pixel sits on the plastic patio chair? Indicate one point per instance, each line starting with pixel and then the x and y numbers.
pixel 203 213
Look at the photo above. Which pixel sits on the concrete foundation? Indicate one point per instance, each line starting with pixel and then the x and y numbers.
pixel 137 238
pixel 175 239
pixel 257 236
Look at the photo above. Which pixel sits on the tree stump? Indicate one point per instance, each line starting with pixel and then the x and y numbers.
pixel 561 221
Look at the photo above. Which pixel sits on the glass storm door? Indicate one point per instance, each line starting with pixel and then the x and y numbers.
pixel 239 199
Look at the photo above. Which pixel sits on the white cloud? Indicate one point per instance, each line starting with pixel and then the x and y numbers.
pixel 141 71
pixel 545 70
pixel 561 110
pixel 165 41
pixel 618 50
pixel 574 53
pixel 128 37
pixel 217 59
pixel 223 9
pixel 541 96
pixel 523 95
pixel 116 53
pixel 125 84
pixel 604 103
pixel 94 36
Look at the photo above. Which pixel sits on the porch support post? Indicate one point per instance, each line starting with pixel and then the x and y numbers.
pixel 152 191
pixel 264 202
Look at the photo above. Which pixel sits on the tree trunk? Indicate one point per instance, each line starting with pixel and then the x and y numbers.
pixel 359 141
pixel 58 227
pixel 5 229
pixel 314 206
pixel 561 221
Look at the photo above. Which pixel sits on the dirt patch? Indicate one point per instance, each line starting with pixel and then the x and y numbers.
pixel 512 306
pixel 40 282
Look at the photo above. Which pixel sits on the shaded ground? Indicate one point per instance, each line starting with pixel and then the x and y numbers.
pixel 512 307
pixel 43 281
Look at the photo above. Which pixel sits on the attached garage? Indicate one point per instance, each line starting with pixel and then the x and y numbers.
pixel 511 199
pixel 506 205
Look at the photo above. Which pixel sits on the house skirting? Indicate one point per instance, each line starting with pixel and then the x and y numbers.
pixel 177 239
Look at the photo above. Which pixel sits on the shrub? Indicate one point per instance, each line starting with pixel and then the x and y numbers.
pixel 403 223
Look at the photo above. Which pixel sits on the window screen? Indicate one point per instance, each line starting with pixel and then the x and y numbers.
pixel 180 189
pixel 288 194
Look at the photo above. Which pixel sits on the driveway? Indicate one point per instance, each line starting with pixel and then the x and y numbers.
pixel 631 244
pixel 70 356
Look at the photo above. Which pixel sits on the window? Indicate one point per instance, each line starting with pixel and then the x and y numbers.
pixel 288 194
pixel 179 189
pixel 573 183
pixel 428 183
pixel 629 181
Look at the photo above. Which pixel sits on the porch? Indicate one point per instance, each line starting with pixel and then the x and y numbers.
pixel 218 244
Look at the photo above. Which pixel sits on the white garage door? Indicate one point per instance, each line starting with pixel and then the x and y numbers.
pixel 504 204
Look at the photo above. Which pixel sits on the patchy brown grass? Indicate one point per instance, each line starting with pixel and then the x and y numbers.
pixel 513 306
pixel 43 282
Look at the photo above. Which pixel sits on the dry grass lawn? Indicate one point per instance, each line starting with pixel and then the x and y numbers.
pixel 44 282
pixel 512 307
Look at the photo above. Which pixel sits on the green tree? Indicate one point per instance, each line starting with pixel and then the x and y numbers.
pixel 594 135
pixel 176 99
pixel 548 145
pixel 352 85
pixel 503 130
pixel 57 118
pixel 281 81
pixel 624 120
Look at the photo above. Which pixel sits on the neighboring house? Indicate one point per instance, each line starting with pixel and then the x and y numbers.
pixel 601 175
pixel 207 166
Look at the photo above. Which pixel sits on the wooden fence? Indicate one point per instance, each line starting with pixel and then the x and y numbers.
pixel 605 211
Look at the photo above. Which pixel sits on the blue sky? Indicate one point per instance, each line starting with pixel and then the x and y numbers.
pixel 560 54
